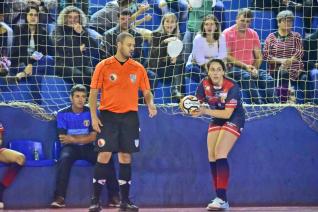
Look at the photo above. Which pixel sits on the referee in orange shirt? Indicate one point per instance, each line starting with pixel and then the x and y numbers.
pixel 119 78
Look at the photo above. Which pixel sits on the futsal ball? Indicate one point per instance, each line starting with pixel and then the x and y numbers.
pixel 189 103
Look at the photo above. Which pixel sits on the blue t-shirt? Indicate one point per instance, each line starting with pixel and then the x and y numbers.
pixel 71 123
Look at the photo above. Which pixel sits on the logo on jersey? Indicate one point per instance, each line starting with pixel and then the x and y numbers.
pixel 207 88
pixel 86 123
pixel 101 142
pixel 136 142
pixel 223 96
pixel 133 78
pixel 113 77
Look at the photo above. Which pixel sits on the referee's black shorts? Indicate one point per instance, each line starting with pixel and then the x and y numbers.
pixel 120 132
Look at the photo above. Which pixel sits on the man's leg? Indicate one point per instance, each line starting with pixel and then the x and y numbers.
pixel 89 154
pixel 129 143
pixel 247 84
pixel 125 182
pixel 266 82
pixel 112 185
pixel 101 173
pixel 69 154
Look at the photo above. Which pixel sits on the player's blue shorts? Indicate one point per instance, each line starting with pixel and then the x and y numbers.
pixel 233 125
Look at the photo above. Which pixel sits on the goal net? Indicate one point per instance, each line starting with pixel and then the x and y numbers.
pixel 45 51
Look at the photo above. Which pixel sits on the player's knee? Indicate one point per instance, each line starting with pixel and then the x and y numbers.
pixel 20 159
pixel 104 157
pixel 220 154
pixel 124 158
pixel 212 157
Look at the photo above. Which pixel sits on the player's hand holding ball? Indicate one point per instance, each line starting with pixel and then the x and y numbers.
pixel 198 112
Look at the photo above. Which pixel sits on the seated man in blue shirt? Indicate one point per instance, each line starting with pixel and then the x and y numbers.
pixel 76 135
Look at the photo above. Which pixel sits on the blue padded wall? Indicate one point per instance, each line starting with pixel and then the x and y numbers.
pixel 273 163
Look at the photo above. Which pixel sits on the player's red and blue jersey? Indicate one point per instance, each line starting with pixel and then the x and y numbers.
pixel 219 98
pixel 71 123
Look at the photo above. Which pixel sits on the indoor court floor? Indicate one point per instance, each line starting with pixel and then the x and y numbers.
pixel 232 209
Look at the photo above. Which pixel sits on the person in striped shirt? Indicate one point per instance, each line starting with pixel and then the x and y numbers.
pixel 283 52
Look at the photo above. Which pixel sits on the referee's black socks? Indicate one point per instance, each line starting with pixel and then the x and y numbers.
pixel 124 181
pixel 100 175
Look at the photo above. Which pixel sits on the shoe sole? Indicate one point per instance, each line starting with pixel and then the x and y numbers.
pixel 97 210
pixel 216 209
pixel 127 210
pixel 57 206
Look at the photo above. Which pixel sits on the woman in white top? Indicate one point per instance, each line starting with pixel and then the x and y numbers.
pixel 208 44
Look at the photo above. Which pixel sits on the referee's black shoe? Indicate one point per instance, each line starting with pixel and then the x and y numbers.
pixel 128 206
pixel 95 206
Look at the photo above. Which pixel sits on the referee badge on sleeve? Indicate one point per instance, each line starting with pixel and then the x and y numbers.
pixel 136 142
pixel 101 142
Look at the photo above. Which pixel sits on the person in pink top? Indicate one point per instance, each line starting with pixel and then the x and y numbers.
pixel 245 58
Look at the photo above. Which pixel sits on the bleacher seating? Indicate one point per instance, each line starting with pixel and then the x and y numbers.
pixel 236 4
pixel 15 92
pixel 263 23
pixel 53 91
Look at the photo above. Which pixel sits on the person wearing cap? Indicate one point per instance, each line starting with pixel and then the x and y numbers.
pixel 283 52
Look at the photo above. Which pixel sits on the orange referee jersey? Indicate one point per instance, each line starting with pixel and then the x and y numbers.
pixel 119 84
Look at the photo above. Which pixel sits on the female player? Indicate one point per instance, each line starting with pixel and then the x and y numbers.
pixel 223 97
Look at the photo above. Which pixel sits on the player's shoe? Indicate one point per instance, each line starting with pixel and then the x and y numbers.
pixel 218 205
pixel 113 202
pixel 128 206
pixel 95 206
pixel 59 202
